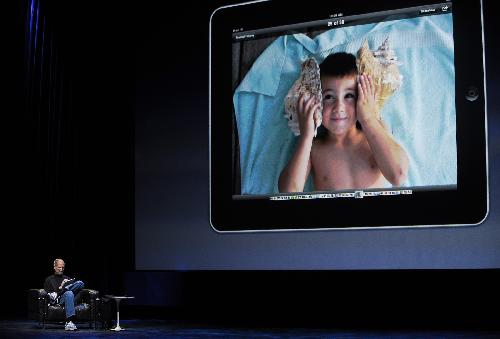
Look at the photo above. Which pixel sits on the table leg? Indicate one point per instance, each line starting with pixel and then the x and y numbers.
pixel 117 327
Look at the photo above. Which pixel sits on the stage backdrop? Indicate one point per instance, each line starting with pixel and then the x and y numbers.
pixel 171 175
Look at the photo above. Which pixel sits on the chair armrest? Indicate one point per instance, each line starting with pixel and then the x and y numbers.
pixel 92 298
pixel 89 296
pixel 93 293
pixel 37 293
pixel 37 302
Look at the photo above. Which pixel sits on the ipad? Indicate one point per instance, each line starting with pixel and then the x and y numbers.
pixel 69 282
pixel 347 115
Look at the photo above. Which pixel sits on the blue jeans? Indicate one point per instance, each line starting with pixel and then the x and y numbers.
pixel 68 297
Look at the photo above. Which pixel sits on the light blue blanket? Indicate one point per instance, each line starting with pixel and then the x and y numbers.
pixel 421 114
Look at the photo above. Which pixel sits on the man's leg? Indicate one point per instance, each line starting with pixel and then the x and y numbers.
pixel 75 287
pixel 68 300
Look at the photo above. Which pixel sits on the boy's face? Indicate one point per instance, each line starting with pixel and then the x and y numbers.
pixel 339 103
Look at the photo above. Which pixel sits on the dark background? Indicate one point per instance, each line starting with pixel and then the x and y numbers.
pixel 69 187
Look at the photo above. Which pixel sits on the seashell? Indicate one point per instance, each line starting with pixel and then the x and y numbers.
pixel 382 65
pixel 308 83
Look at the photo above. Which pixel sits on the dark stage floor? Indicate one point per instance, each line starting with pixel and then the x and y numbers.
pixel 162 329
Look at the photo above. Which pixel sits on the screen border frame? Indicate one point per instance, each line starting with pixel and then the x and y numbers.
pixel 441 208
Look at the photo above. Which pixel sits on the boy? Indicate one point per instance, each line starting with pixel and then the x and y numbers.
pixel 346 157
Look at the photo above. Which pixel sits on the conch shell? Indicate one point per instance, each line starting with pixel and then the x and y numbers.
pixel 309 84
pixel 382 66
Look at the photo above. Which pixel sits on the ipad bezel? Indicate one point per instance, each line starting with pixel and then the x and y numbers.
pixel 467 205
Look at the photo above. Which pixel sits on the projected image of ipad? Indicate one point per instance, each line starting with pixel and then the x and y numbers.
pixel 345 105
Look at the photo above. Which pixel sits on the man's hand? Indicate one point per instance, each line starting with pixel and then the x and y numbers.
pixel 307 107
pixel 368 92
pixel 62 284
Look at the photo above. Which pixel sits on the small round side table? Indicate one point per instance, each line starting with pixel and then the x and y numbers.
pixel 118 298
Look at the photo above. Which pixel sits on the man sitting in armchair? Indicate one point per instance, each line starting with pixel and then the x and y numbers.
pixel 62 290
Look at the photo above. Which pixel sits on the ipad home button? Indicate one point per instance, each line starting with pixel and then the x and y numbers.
pixel 472 93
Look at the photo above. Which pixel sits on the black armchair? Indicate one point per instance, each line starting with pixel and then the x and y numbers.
pixel 86 308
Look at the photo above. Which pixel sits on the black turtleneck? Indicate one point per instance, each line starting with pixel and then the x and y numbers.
pixel 53 282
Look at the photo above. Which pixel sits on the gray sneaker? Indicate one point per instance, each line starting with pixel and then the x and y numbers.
pixel 70 326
